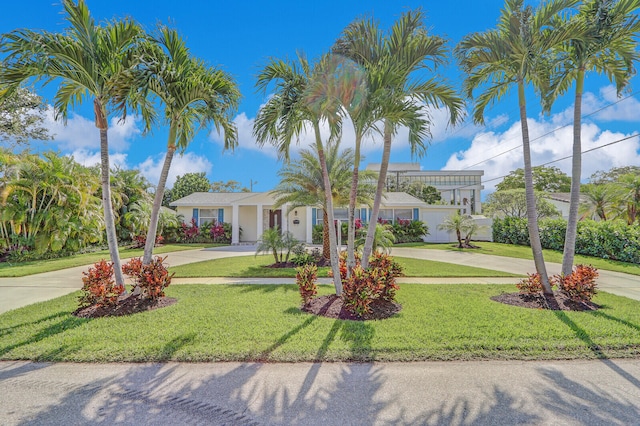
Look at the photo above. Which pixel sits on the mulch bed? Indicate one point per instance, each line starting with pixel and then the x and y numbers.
pixel 559 302
pixel 127 305
pixel 331 307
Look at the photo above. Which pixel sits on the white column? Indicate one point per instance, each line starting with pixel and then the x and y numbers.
pixel 260 224
pixel 235 225
pixel 285 218
pixel 309 234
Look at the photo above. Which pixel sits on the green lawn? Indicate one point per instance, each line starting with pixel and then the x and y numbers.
pixel 23 269
pixel 524 252
pixel 264 323
pixel 256 267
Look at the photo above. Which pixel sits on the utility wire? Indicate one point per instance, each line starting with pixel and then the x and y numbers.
pixel 553 131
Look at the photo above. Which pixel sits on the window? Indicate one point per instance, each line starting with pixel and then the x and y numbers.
pixel 207 216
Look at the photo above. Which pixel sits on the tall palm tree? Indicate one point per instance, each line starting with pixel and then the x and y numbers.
pixel 301 184
pixel 87 60
pixel 516 53
pixel 300 100
pixel 194 96
pixel 390 60
pixel 604 42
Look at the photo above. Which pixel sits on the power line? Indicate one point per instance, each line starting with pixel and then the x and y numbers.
pixel 553 131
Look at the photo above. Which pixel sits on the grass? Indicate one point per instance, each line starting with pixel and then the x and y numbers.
pixel 264 323
pixel 22 269
pixel 256 267
pixel 524 252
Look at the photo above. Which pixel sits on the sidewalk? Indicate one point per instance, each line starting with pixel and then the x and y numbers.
pixel 18 292
pixel 605 392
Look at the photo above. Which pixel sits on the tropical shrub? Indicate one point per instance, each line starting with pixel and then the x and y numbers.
pixel 316 234
pixel 580 284
pixel 409 231
pixel 278 244
pixel 190 232
pixel 531 284
pixel 387 270
pixel 152 279
pixel 140 240
pixel 99 287
pixel 306 278
pixel 360 290
pixel 382 239
pixel 302 257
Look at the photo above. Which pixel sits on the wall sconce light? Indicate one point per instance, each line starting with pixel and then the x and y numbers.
pixel 295 212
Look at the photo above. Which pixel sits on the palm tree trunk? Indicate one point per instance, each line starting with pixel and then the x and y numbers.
pixel 576 170
pixel 157 200
pixel 382 178
pixel 335 268
pixel 351 228
pixel 532 216
pixel 112 239
pixel 326 242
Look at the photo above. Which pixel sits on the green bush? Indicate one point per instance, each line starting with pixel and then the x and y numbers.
pixel 409 231
pixel 606 239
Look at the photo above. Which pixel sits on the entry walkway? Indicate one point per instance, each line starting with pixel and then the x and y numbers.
pixel 18 292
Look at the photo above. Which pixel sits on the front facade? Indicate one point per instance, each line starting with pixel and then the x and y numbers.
pixel 251 213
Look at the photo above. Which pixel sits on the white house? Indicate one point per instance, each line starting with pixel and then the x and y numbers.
pixel 250 213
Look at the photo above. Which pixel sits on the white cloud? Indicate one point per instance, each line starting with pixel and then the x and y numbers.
pixel 91 158
pixel 546 146
pixel 80 133
pixel 181 164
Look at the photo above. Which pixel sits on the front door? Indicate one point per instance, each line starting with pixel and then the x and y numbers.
pixel 275 219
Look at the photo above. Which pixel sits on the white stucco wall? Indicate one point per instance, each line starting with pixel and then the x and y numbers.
pixel 299 231
pixel 433 217
pixel 249 222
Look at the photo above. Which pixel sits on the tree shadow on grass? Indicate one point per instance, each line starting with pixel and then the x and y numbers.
pixel 8 330
pixel 67 322
pixel 267 288
pixel 595 348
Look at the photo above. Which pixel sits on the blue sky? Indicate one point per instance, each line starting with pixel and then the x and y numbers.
pixel 240 37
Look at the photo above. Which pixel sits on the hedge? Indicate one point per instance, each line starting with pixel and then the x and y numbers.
pixel 606 239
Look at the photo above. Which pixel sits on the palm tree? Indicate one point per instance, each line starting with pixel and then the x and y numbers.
pixel 629 185
pixel 515 54
pixel 300 100
pixel 301 184
pixel 598 200
pixel 604 42
pixel 87 60
pixel 390 60
pixel 460 224
pixel 194 96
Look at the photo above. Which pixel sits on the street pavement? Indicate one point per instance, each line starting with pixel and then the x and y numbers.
pixel 605 392
pixel 602 392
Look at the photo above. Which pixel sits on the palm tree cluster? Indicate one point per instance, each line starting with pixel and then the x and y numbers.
pixel 119 67
pixel 367 79
pixel 550 48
